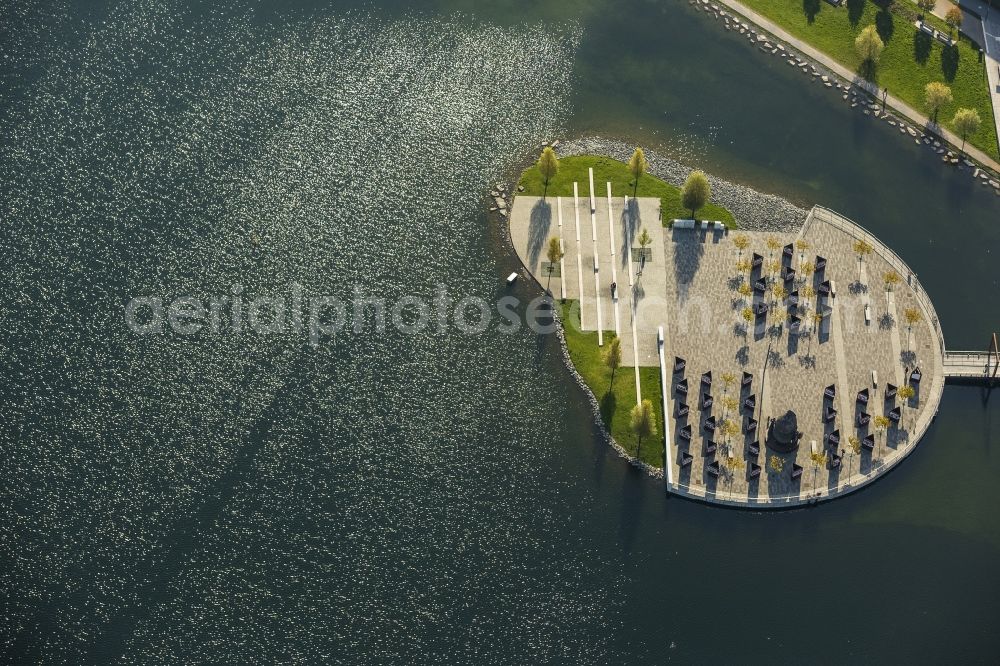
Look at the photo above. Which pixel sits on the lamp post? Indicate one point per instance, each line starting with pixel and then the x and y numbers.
pixel 885 93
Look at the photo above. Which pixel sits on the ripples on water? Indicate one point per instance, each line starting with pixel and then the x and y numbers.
pixel 244 497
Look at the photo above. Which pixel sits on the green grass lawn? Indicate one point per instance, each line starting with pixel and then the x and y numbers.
pixel 574 169
pixel 909 62
pixel 619 401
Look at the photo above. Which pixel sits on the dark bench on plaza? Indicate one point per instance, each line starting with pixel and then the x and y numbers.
pixel 751 425
pixel 787 251
pixel 756 261
pixel 706 400
pixel 829 414
pixel 709 424
pixel 863 419
pixel 713 468
pixel 796 470
pixel 753 471
pixel 685 433
pixel 793 297
pixel 750 402
pixel 679 364
pixel 686 459
pixel 706 380
pixel 824 288
pixel 895 414
pixel 834 460
pixel 890 391
pixel 863 396
pixel 682 409
pixel 868 442
pixel 787 274
pixel 830 392
pixel 820 264
pixel 833 439
pixel 915 376
pixel 760 309
pixel 747 379
pixel 760 286
pixel 682 387
pixel 710 447
pixel 753 448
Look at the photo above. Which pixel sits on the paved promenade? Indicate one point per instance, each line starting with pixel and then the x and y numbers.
pixel 605 251
pixel 917 117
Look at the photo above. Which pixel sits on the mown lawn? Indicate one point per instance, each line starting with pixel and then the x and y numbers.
pixel 616 403
pixel 574 169
pixel 909 62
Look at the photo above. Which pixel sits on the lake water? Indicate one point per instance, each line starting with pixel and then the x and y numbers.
pixel 381 497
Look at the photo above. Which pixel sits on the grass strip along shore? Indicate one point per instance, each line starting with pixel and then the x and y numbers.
pixel 616 400
pixel 575 169
pixel 909 61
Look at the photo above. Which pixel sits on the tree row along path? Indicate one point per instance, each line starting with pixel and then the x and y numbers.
pixel 920 119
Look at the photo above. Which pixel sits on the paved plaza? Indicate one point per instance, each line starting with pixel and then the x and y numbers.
pixel 691 285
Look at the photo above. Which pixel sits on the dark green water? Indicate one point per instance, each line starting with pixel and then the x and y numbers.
pixel 393 498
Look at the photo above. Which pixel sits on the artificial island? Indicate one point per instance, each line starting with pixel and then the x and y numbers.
pixel 754 368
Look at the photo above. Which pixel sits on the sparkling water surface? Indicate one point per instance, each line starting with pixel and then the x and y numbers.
pixel 383 497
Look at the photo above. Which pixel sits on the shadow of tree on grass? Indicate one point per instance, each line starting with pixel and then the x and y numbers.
pixel 884 24
pixel 855 8
pixel 922 43
pixel 949 62
pixel 810 8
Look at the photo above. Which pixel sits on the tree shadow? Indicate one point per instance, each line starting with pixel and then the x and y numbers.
pixel 538 230
pixel 886 322
pixel 688 251
pixel 884 25
pixel 810 8
pixel 855 9
pixel 743 355
pixel 609 403
pixel 949 62
pixel 922 43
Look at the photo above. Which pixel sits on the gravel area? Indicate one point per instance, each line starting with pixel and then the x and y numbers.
pixel 753 210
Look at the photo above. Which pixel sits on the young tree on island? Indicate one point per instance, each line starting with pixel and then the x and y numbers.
pixel 696 191
pixel 966 122
pixel 644 240
pixel 613 359
pixel 745 291
pixel 642 422
pixel 912 316
pixel 553 253
pixel 891 279
pixel 855 445
pixel 905 394
pixel 637 166
pixel 881 425
pixel 936 95
pixel 741 242
pixel 818 460
pixel 953 17
pixel 869 46
pixel 862 249
pixel 548 166
pixel 776 464
pixel 747 315
pixel 743 266
pixel 802 244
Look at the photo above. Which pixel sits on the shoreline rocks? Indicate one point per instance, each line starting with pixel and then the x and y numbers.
pixel 753 210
